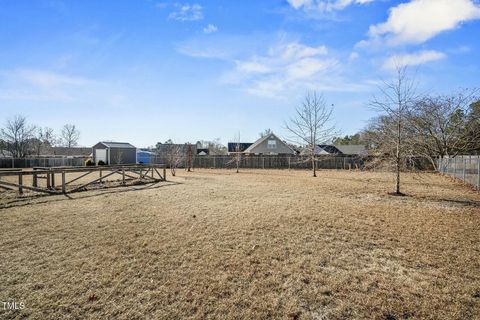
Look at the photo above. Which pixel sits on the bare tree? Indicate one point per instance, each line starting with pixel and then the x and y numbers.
pixel 175 156
pixel 44 138
pixel 118 158
pixel 445 125
pixel 311 124
pixel 396 100
pixel 17 136
pixel 215 147
pixel 70 135
pixel 190 156
pixel 265 133
pixel 237 154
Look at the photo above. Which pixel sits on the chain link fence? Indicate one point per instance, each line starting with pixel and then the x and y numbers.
pixel 465 168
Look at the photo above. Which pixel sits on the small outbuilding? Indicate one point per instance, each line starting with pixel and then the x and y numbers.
pixel 114 153
pixel 145 157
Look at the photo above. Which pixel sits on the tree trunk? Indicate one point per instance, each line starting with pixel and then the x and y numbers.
pixel 314 167
pixel 397 156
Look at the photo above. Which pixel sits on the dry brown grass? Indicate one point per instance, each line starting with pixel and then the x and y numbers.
pixel 259 244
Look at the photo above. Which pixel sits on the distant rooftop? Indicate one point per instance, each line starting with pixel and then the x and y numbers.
pixel 111 144
pixel 352 149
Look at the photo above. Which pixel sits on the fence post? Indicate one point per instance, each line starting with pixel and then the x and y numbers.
pixel 53 179
pixel 455 167
pixel 464 166
pixel 164 173
pixel 47 175
pixel 20 182
pixel 63 181
pixel 470 163
pixel 123 176
pixel 35 181
pixel 478 172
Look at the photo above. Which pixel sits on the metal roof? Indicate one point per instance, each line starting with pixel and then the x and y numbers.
pixel 111 144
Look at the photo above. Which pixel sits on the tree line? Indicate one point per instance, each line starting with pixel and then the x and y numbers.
pixel 19 139
pixel 408 126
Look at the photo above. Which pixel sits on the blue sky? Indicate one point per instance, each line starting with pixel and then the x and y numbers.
pixel 144 71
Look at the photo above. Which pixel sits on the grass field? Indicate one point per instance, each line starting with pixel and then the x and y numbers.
pixel 260 244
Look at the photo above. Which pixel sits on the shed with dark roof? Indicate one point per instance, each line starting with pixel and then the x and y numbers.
pixel 114 153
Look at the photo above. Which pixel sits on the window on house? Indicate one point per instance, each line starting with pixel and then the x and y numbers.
pixel 272 144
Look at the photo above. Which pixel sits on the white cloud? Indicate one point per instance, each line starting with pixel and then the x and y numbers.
pixel 325 5
pixel 280 69
pixel 413 59
pixel 36 84
pixel 297 4
pixel 210 29
pixel 420 20
pixel 47 78
pixel 252 67
pixel 353 56
pixel 284 67
pixel 187 12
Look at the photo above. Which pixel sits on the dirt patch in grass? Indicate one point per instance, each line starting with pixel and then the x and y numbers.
pixel 258 244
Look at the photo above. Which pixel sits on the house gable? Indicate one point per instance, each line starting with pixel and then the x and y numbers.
pixel 269 144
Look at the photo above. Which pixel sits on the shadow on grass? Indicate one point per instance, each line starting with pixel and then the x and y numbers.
pixel 92 193
pixel 466 203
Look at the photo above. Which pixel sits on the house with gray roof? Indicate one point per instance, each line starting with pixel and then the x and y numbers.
pixel 112 153
pixel 269 145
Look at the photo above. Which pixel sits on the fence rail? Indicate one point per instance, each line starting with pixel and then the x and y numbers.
pixel 60 180
pixel 465 168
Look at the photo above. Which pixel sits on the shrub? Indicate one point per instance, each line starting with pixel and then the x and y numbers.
pixel 89 162
pixel 101 163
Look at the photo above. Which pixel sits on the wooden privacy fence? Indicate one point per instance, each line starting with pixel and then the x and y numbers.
pixel 280 162
pixel 60 180
pixel 31 162
pixel 465 168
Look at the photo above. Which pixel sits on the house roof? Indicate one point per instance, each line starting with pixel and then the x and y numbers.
pixel 331 149
pixel 111 144
pixel 204 150
pixel 352 149
pixel 232 146
pixel 262 139
pixel 145 152
pixel 65 151
pixel 166 147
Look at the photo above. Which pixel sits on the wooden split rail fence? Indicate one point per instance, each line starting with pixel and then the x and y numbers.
pixel 68 175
